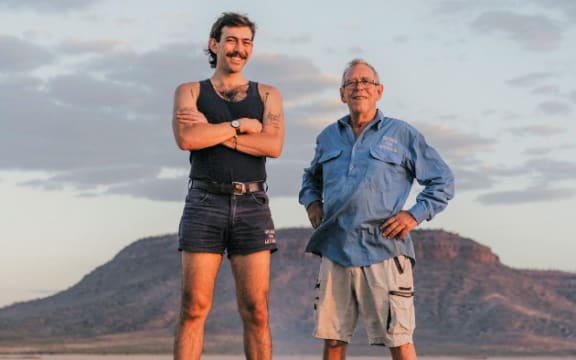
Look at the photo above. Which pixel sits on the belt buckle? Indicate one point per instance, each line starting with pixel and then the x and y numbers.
pixel 238 188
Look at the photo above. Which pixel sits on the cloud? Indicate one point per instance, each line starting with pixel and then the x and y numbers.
pixel 537 130
pixel 545 175
pixel 158 71
pixel 454 143
pixel 89 92
pixel 17 55
pixel 532 79
pixel 538 151
pixel 318 114
pixel 546 90
pixel 532 32
pixel 152 188
pixel 472 178
pixel 76 122
pixel 297 78
pixel 294 39
pixel 566 7
pixel 537 81
pixel 526 196
pixel 89 178
pixel 543 170
pixel 459 7
pixel 102 124
pixel 552 170
pixel 103 127
pixel 555 108
pixel 48 5
pixel 101 46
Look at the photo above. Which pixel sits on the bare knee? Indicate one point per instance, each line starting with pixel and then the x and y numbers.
pixel 334 344
pixel 403 352
pixel 193 309
pixel 254 314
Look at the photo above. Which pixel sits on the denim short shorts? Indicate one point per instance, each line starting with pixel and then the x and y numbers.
pixel 219 223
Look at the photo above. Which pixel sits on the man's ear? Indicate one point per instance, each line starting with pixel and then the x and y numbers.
pixel 379 91
pixel 212 44
pixel 342 95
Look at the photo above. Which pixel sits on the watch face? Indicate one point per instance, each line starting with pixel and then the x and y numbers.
pixel 235 124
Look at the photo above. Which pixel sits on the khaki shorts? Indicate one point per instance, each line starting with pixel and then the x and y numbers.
pixel 382 293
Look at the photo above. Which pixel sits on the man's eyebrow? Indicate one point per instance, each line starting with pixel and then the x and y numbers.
pixel 233 37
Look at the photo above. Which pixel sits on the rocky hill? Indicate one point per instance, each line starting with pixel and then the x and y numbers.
pixel 467 303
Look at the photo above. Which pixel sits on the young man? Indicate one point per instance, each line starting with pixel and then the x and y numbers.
pixel 229 125
pixel 354 192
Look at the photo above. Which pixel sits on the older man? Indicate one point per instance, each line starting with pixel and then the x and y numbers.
pixel 354 192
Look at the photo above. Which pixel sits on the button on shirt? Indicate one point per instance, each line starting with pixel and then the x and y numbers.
pixel 364 181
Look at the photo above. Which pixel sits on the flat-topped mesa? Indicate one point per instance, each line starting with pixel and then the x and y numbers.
pixel 441 245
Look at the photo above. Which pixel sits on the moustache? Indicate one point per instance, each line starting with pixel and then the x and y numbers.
pixel 237 53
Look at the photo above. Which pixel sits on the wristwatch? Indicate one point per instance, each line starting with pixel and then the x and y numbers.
pixel 236 125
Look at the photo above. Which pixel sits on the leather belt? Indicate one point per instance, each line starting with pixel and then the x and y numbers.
pixel 233 188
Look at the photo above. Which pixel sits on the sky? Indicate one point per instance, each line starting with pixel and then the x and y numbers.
pixel 88 163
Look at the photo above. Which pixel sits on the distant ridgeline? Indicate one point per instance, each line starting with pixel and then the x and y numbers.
pixel 467 302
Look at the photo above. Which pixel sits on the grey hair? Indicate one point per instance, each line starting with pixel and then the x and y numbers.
pixel 355 62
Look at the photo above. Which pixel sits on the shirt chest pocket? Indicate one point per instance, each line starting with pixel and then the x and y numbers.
pixel 386 161
pixel 331 166
pixel 329 155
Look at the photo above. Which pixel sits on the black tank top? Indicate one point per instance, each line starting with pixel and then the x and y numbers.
pixel 219 163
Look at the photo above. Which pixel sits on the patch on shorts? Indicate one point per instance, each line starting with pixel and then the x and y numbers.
pixel 270 236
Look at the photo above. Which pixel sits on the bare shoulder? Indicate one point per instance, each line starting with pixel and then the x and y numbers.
pixel 187 86
pixel 265 89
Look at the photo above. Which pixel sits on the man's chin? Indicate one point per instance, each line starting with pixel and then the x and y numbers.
pixel 234 70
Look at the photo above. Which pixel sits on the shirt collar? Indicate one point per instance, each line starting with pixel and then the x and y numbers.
pixel 378 120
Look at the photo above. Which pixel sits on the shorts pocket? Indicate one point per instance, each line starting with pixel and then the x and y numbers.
pixel 401 317
pixel 259 198
pixel 197 195
pixel 316 294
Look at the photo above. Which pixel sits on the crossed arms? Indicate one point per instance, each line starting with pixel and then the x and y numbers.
pixel 192 131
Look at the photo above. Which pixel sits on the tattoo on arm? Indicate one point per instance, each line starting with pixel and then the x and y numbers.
pixel 271 119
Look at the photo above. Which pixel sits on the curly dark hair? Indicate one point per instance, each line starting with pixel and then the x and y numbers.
pixel 229 19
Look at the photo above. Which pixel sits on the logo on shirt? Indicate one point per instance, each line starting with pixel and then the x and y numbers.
pixel 388 143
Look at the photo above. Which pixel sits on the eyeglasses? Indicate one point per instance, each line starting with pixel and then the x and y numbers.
pixel 359 84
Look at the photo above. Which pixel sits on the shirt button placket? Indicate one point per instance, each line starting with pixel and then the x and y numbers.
pixel 351 166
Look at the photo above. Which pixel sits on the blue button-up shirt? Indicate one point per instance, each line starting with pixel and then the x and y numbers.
pixel 364 181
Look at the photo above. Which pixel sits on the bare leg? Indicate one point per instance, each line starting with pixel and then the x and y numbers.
pixel 403 352
pixel 252 276
pixel 334 350
pixel 199 272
